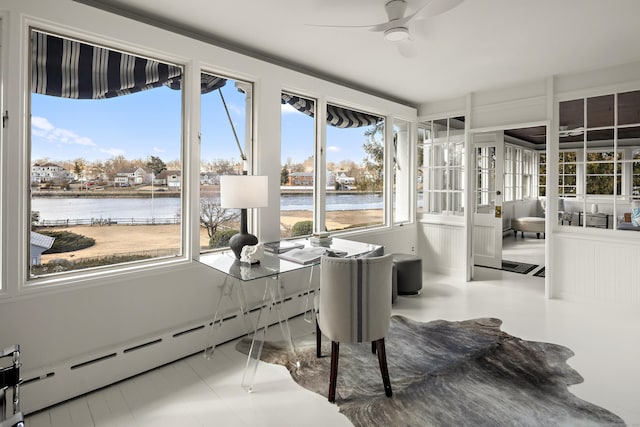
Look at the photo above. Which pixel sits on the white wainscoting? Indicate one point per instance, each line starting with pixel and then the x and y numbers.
pixel 594 268
pixel 442 248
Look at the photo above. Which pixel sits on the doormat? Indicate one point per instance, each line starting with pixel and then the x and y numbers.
pixel 514 267
pixel 539 273
pixel 518 267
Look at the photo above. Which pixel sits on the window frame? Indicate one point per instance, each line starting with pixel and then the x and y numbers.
pixel 103 273
pixel 320 214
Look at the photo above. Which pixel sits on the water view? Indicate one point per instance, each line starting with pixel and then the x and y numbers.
pixel 56 209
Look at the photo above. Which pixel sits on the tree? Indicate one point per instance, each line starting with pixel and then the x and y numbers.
pixel 156 165
pixel 374 160
pixel 284 175
pixel 78 167
pixel 213 215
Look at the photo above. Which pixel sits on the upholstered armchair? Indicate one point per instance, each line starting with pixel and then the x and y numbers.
pixel 355 306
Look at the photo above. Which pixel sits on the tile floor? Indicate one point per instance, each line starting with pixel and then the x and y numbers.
pixel 199 392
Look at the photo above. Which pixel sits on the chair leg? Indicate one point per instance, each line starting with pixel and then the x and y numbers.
pixel 373 347
pixel 333 375
pixel 382 359
pixel 318 340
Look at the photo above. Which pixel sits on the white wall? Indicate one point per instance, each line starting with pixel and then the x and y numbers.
pixel 168 307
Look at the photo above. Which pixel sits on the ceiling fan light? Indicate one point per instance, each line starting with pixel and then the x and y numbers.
pixel 396 34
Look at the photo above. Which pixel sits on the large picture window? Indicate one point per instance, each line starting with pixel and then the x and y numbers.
pixel 105 157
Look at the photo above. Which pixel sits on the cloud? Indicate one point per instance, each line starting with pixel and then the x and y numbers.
pixel 114 152
pixel 43 128
pixel 159 150
pixel 333 148
pixel 236 109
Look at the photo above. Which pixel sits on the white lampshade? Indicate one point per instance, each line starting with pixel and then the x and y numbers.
pixel 244 191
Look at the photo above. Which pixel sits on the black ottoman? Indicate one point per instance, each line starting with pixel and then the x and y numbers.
pixel 408 271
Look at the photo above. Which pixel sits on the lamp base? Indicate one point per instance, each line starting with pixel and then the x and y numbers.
pixel 240 240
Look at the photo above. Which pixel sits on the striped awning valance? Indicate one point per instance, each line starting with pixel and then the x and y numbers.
pixel 71 69
pixel 336 116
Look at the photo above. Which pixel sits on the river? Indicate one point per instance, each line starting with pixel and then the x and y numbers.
pixel 169 207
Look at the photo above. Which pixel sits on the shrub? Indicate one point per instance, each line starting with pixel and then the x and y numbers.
pixel 67 241
pixel 220 238
pixel 302 228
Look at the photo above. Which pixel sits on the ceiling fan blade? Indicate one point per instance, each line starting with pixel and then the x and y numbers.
pixel 407 48
pixel 437 7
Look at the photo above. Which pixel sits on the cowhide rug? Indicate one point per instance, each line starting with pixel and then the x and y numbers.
pixel 467 373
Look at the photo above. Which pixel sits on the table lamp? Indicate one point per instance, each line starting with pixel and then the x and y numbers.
pixel 243 192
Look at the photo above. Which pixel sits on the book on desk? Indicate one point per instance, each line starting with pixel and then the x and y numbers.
pixel 282 246
pixel 311 255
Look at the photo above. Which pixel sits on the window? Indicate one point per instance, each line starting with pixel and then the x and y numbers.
pixel 603 173
pixel 567 174
pixel 528 174
pixel 542 174
pixel 355 156
pixel 441 170
pixel 226 108
pixel 297 176
pixel 106 167
pixel 519 172
pixel 509 178
pixel 599 156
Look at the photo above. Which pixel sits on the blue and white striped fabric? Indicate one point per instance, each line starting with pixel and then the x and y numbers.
pixel 336 116
pixel 355 298
pixel 71 69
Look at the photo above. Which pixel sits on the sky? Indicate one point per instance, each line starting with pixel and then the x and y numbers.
pixel 147 123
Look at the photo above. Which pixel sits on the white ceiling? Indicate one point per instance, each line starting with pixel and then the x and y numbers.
pixel 478 45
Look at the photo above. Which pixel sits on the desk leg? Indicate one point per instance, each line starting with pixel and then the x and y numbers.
pixel 257 342
pixel 277 298
pixel 308 317
pixel 225 291
pixel 274 288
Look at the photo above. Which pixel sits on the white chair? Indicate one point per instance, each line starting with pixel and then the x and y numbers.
pixel 355 306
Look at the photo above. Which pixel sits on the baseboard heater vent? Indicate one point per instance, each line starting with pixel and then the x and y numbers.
pixel 188 331
pixel 41 377
pixel 140 346
pixel 92 361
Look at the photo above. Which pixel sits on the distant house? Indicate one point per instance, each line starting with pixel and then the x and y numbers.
pixel 47 172
pixel 170 178
pixel 300 178
pixel 343 179
pixel 39 244
pixel 209 178
pixel 132 176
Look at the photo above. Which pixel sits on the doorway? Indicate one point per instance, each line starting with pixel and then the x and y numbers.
pixel 509 182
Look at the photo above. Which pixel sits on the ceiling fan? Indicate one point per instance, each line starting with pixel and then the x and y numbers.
pixel 397 28
pixel 564 131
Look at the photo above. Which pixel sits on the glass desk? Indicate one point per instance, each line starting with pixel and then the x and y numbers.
pixel 270 269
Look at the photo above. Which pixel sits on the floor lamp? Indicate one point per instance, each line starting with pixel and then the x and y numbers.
pixel 243 192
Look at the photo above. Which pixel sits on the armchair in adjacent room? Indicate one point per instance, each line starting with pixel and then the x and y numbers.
pixel 355 306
